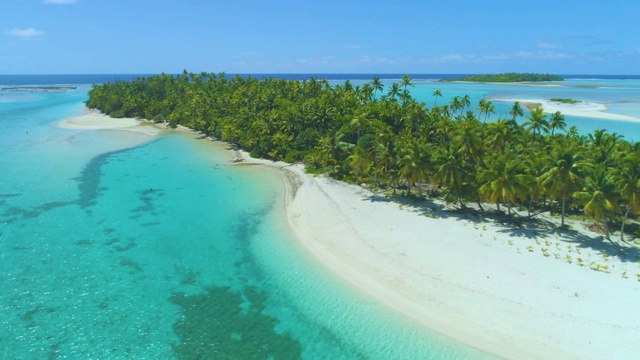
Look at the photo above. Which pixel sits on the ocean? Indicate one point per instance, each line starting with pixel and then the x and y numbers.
pixel 116 245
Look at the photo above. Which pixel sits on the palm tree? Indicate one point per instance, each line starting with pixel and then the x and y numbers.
pixel 498 135
pixel 452 171
pixel 377 86
pixel 456 104
pixel 347 85
pixel 384 152
pixel 564 174
pixel 330 147
pixel 360 161
pixel 406 81
pixel 414 162
pixel 394 91
pixel 537 122
pixel 366 93
pixel 598 196
pixel 534 167
pixel 626 178
pixel 486 108
pixel 557 122
pixel 405 97
pixel 465 102
pixel 467 135
pixel 360 122
pixel 503 181
pixel 516 110
pixel 436 95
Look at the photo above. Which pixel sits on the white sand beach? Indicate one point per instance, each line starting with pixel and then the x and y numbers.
pixel 98 121
pixel 516 293
pixel 487 285
pixel 582 109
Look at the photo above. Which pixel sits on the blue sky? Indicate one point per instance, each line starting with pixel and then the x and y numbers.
pixel 320 36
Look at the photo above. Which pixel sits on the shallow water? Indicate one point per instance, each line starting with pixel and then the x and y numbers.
pixel 621 96
pixel 117 246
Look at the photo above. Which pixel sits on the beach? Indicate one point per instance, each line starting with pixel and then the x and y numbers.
pixel 487 285
pixel 93 120
pixel 581 109
pixel 490 286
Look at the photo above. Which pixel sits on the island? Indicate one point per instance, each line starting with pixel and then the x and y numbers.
pixel 508 78
pixel 473 228
pixel 39 88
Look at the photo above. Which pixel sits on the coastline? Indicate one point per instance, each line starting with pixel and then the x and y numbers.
pixel 582 109
pixel 516 83
pixel 469 279
pixel 462 278
pixel 93 120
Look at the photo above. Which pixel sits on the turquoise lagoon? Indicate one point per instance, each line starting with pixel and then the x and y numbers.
pixel 621 96
pixel 117 245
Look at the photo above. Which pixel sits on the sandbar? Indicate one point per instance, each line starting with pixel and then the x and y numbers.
pixel 98 121
pixel 581 109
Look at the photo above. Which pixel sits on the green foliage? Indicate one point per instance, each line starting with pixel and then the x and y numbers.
pixel 509 77
pixel 565 101
pixel 384 138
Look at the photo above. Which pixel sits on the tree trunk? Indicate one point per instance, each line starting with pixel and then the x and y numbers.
pixel 624 220
pixel 462 205
pixel 562 216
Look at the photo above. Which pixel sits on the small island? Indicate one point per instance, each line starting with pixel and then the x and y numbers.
pixel 508 78
pixel 40 88
pixel 565 101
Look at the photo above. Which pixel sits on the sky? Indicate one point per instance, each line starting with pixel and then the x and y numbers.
pixel 319 36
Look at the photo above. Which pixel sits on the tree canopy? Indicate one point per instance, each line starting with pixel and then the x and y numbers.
pixel 387 139
pixel 509 77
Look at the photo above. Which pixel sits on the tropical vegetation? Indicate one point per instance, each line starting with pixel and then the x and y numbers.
pixel 381 137
pixel 565 101
pixel 509 77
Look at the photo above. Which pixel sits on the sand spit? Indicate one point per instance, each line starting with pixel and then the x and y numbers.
pixel 98 121
pixel 581 109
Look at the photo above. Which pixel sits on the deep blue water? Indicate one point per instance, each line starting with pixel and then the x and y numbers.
pixel 102 78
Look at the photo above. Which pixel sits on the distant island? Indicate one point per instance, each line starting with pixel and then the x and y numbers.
pixel 508 78
pixel 565 101
pixel 40 88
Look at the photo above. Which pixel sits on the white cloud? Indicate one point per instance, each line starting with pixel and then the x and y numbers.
pixel 28 32
pixel 58 1
pixel 542 44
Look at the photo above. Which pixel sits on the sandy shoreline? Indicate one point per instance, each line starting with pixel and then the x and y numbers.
pixel 518 83
pixel 582 109
pixel 486 285
pixel 93 120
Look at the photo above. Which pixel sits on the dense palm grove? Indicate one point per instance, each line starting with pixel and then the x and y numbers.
pixel 385 138
pixel 509 77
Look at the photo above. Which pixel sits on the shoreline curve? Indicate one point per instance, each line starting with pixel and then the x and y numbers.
pixel 464 277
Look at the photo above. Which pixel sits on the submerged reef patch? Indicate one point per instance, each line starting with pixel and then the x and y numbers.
pixel 224 324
